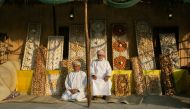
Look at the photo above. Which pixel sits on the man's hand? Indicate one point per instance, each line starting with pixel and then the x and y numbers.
pixel 94 77
pixel 106 78
pixel 73 91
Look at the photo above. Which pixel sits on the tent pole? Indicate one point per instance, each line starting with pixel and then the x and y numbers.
pixel 87 40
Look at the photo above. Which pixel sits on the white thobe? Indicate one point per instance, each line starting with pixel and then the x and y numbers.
pixel 101 68
pixel 75 80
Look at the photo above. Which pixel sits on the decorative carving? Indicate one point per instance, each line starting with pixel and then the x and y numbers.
pixel 54 83
pixel 167 75
pixel 77 46
pixel 98 37
pixel 145 45
pixel 55 52
pixel 153 84
pixel 122 87
pixel 138 76
pixel 39 76
pixel 168 46
pixel 120 62
pixel 120 47
pixel 32 42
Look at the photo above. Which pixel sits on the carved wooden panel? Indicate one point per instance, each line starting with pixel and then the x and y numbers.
pixel 145 44
pixel 55 52
pixel 32 42
pixel 98 37
pixel 120 48
pixel 77 46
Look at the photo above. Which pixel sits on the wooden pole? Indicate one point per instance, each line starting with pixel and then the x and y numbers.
pixel 87 39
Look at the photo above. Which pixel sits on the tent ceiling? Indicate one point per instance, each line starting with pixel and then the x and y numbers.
pixel 167 3
pixel 38 1
pixel 90 1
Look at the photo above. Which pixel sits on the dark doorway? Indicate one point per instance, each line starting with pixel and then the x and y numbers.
pixel 156 40
pixel 64 31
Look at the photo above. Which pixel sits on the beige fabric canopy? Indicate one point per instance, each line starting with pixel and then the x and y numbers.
pixel 8 78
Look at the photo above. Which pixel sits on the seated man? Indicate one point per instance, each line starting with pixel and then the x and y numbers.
pixel 101 72
pixel 75 84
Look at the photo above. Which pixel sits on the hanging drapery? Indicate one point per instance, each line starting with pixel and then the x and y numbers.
pixel 120 47
pixel 169 46
pixel 39 76
pixel 98 38
pixel 55 1
pixel 8 78
pixel 77 46
pixel 32 42
pixel 138 76
pixel 145 44
pixel 121 3
pixel 167 74
pixel 55 52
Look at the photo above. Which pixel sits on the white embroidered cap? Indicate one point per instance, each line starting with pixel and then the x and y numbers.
pixel 76 63
pixel 100 52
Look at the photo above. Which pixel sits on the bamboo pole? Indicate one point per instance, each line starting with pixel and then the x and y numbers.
pixel 87 52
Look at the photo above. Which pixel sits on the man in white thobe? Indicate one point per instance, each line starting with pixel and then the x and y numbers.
pixel 101 72
pixel 75 84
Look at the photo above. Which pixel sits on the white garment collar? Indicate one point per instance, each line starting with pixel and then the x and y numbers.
pixel 100 60
pixel 77 72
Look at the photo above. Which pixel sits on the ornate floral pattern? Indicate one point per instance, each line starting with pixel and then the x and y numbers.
pixel 55 52
pixel 122 86
pixel 77 46
pixel 39 76
pixel 4 48
pixel 98 37
pixel 32 42
pixel 138 76
pixel 168 46
pixel 54 84
pixel 120 47
pixel 145 45
pixel 120 62
pixel 167 75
